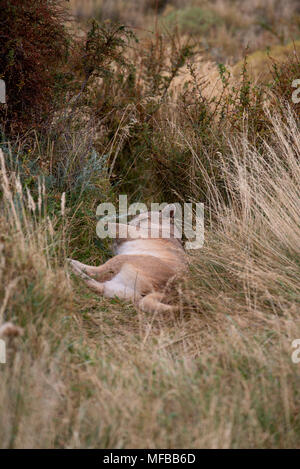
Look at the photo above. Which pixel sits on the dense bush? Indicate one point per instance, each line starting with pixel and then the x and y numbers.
pixel 33 45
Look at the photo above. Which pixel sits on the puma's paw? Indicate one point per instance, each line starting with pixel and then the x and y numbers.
pixel 77 268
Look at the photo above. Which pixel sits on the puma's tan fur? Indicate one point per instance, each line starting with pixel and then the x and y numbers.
pixel 142 268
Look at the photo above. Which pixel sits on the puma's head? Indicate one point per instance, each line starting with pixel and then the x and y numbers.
pixel 159 224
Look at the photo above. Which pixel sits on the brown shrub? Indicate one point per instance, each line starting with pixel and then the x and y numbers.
pixel 33 44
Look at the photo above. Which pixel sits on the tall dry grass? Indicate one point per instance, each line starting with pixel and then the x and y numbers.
pixel 90 372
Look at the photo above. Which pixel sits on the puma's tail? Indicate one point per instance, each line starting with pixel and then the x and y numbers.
pixel 152 303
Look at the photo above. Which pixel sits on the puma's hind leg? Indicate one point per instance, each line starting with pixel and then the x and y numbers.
pixel 95 272
pixel 80 270
pixel 101 273
pixel 153 303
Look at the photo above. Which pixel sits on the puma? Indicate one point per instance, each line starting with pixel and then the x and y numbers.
pixel 143 266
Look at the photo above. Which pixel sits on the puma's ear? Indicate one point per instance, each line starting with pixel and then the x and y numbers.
pixel 169 211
